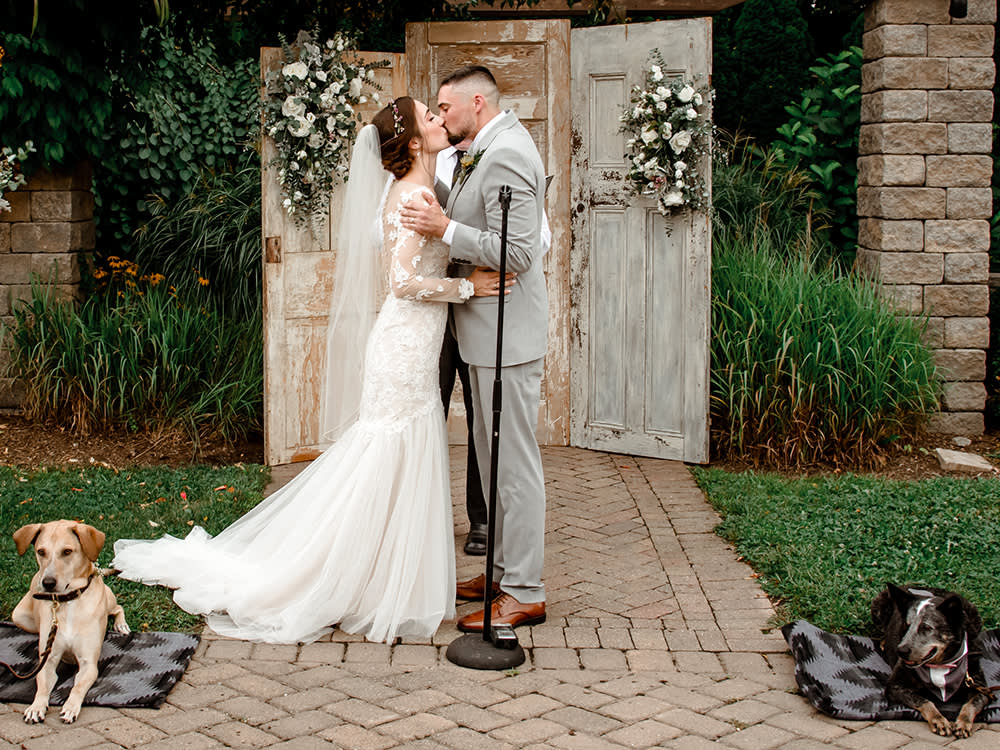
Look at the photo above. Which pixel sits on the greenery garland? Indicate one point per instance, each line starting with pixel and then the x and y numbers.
pixel 668 136
pixel 310 114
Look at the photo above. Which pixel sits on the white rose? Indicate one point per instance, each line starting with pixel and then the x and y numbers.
pixel 297 195
pixel 662 106
pixel 679 183
pixel 302 154
pixel 329 44
pixel 355 87
pixel 299 127
pixel 294 166
pixel 287 203
pixel 697 100
pixel 680 166
pixel 663 92
pixel 315 139
pixel 334 88
pixel 680 141
pixel 637 161
pixel 691 114
pixel 666 130
pixel 649 136
pixel 673 198
pixel 310 118
pixel 296 70
pixel 686 94
pixel 321 75
pixel 655 73
pixel 292 107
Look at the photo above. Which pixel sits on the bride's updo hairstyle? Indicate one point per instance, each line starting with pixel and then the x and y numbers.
pixel 397 125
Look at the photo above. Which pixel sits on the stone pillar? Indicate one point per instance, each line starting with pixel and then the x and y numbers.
pixel 50 223
pixel 924 172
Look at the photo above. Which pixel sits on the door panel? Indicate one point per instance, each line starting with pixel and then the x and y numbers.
pixel 641 297
pixel 530 60
pixel 298 281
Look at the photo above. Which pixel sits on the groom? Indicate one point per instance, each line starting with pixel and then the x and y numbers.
pixel 502 153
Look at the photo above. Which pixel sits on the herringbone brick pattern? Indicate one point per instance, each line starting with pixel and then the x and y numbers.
pixel 657 636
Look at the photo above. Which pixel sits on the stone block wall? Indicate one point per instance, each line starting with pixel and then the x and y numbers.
pixel 50 223
pixel 925 167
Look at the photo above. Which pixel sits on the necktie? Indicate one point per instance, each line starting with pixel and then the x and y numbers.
pixel 458 168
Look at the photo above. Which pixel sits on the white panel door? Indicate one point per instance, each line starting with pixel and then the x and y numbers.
pixel 641 297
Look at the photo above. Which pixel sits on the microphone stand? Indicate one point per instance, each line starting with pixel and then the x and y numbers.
pixel 498 647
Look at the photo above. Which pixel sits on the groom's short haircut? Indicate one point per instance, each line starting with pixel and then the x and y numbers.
pixel 479 77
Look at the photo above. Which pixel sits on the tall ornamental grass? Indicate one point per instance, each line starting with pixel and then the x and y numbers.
pixel 138 357
pixel 210 235
pixel 809 364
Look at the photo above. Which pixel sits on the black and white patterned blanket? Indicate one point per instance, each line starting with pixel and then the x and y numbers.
pixel 136 670
pixel 845 675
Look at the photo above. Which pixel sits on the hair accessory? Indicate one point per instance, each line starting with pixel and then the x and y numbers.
pixel 397 119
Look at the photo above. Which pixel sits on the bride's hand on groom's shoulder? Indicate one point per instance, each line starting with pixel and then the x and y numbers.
pixel 487 282
pixel 424 215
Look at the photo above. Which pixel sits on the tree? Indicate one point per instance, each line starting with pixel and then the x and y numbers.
pixel 773 54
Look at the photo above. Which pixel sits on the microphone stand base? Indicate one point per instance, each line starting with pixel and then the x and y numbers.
pixel 472 651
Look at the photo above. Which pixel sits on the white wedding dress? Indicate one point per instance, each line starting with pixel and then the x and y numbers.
pixel 363 537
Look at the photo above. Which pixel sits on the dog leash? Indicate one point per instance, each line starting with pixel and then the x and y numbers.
pixel 44 655
pixel 56 599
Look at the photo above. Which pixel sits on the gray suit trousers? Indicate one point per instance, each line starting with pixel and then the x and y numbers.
pixel 520 522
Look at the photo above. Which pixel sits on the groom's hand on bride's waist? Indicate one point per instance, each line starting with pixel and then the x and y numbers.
pixel 423 214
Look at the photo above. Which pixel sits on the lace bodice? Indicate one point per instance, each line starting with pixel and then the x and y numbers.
pixel 401 360
pixel 411 275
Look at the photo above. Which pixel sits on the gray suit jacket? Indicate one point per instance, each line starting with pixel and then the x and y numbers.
pixel 509 158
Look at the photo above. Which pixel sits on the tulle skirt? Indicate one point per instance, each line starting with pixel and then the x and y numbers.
pixel 361 539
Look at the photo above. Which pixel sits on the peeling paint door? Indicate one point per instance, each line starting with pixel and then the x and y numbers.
pixel 298 280
pixel 641 297
pixel 530 60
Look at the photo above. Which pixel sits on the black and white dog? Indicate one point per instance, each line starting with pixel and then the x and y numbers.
pixel 931 641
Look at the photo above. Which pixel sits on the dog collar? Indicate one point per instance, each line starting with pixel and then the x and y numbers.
pixel 68 596
pixel 945 679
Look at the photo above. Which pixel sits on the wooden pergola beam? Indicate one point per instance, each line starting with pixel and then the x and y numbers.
pixel 623 8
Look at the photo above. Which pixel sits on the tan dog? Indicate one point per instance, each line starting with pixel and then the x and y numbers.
pixel 68 590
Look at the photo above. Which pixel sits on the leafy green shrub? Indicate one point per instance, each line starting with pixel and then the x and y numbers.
pixel 808 364
pixel 822 138
pixel 753 190
pixel 138 357
pixel 211 234
pixel 180 109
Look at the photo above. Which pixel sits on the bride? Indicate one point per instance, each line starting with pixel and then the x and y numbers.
pixel 362 538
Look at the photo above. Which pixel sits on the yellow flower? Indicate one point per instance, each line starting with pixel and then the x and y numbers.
pixel 202 281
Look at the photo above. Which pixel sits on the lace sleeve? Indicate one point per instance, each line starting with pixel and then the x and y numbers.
pixel 405 279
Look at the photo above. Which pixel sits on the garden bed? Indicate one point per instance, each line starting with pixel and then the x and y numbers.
pixel 27 444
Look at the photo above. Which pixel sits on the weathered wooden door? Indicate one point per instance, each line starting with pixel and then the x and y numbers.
pixel 298 280
pixel 641 297
pixel 530 60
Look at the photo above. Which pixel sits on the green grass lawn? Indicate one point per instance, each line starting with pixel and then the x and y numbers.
pixel 825 546
pixel 135 503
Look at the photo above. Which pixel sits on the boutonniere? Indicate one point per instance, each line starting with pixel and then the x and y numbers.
pixel 468 162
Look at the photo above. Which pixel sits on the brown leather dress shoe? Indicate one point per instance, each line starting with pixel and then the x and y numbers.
pixel 506 610
pixel 474 588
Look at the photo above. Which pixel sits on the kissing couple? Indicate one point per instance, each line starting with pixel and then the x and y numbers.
pixel 362 539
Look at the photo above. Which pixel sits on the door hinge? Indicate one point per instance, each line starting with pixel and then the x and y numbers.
pixel 272 249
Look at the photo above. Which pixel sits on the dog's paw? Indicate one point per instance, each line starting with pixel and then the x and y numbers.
pixel 122 627
pixel 34 714
pixel 940 725
pixel 963 727
pixel 70 711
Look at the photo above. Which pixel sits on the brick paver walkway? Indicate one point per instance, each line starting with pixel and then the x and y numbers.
pixel 657 636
